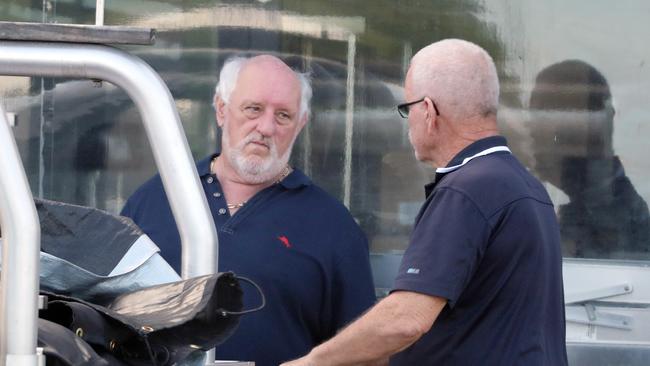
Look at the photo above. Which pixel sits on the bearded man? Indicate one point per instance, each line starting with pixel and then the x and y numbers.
pixel 274 225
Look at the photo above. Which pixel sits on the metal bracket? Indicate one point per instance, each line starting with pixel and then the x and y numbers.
pixel 42 302
pixel 599 293
pixel 40 356
pixel 11 119
pixel 589 315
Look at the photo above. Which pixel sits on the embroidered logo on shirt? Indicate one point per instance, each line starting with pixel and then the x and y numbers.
pixel 413 271
pixel 285 241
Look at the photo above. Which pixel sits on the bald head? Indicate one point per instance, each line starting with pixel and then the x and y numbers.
pixel 459 76
pixel 273 67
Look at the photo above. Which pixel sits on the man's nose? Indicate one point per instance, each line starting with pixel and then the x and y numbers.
pixel 266 123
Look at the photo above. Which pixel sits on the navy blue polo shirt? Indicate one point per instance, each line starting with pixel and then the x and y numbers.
pixel 487 240
pixel 293 239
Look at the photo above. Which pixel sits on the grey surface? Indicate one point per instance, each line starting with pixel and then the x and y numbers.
pixel 589 354
pixel 76 33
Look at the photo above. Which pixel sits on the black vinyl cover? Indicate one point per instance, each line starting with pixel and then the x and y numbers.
pixel 62 347
pixel 90 238
pixel 160 325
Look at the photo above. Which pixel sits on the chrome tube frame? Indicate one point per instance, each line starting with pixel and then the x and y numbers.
pixel 21 237
pixel 164 131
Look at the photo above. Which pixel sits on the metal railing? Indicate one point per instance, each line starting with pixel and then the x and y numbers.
pixel 173 159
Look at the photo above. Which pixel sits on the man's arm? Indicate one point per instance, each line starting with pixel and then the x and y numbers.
pixel 392 325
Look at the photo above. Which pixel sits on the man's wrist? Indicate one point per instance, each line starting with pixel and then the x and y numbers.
pixel 316 357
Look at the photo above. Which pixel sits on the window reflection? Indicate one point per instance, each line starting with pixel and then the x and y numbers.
pixel 572 125
pixel 87 145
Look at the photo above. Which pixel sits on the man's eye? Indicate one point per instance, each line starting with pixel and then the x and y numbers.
pixel 284 117
pixel 252 111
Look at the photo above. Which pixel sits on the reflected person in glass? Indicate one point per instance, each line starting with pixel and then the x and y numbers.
pixel 481 280
pixel 572 126
pixel 275 226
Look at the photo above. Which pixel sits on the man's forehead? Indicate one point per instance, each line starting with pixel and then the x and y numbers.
pixel 267 60
pixel 269 79
pixel 269 67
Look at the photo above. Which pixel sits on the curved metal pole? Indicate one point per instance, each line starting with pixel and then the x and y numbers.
pixel 21 237
pixel 162 125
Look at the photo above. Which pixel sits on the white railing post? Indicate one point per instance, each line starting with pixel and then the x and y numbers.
pixel 21 243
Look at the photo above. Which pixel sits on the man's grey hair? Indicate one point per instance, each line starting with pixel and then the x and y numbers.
pixel 459 76
pixel 230 72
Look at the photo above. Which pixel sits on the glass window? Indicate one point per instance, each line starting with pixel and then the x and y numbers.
pixel 572 107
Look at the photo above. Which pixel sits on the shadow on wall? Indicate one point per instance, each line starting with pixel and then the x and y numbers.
pixel 572 122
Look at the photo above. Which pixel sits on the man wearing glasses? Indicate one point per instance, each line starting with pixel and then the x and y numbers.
pixel 481 280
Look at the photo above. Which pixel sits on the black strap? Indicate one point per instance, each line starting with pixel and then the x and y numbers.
pixel 259 290
pixel 145 336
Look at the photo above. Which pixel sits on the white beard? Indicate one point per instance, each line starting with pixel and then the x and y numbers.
pixel 254 169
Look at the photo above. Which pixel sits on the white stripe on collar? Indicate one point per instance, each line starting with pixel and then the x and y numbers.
pixel 466 160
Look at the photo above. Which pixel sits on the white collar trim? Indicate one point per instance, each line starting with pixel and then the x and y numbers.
pixel 466 160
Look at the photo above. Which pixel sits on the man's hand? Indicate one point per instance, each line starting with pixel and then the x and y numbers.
pixel 307 361
pixel 303 361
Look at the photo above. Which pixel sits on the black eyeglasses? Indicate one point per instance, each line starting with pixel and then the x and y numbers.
pixel 403 108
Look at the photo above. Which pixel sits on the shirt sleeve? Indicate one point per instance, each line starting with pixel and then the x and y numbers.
pixel 148 198
pixel 446 247
pixel 353 288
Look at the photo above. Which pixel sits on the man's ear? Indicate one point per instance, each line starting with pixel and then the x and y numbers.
pixel 430 115
pixel 220 107
pixel 302 121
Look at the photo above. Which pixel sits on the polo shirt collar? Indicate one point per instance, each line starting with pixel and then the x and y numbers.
pixel 477 147
pixel 294 180
pixel 203 166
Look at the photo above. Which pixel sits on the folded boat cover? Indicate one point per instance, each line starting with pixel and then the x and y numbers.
pixel 93 255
